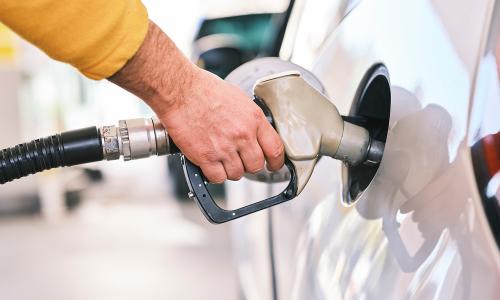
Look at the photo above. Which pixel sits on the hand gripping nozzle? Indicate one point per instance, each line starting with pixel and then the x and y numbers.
pixel 310 126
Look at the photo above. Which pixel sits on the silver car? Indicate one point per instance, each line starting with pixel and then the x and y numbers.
pixel 425 223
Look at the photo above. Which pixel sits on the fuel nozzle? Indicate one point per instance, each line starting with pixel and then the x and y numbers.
pixel 357 147
pixel 311 126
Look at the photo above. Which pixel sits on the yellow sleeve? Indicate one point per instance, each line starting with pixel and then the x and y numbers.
pixel 96 36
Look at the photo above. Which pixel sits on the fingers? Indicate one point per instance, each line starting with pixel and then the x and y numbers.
pixel 233 166
pixel 214 172
pixel 243 143
pixel 230 168
pixel 271 145
pixel 252 158
pixel 248 157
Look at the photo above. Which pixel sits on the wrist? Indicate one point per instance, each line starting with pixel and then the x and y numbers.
pixel 158 73
pixel 173 91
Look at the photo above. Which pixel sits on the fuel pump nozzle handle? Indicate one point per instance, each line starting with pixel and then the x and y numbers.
pixel 141 138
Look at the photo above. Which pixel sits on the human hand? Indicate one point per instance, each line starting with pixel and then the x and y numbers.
pixel 211 121
pixel 222 131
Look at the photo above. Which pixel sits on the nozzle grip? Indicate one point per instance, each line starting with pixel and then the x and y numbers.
pixel 215 214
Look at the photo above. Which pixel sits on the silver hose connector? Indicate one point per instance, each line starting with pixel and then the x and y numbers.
pixel 134 139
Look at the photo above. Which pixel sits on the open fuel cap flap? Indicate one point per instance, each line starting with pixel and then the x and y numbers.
pixel 372 105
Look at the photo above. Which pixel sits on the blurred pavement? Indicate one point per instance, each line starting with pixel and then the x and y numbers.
pixel 128 240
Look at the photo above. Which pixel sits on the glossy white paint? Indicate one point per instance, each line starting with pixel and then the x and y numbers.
pixel 419 230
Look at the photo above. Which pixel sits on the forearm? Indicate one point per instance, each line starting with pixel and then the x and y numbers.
pixel 158 73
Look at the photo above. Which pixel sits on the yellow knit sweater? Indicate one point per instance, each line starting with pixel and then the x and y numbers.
pixel 96 36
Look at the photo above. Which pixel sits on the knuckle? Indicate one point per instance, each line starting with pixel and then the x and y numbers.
pixel 254 165
pixel 225 150
pixel 277 151
pixel 257 114
pixel 209 156
pixel 241 133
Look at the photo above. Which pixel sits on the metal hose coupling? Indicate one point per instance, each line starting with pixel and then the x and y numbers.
pixel 135 139
pixel 132 139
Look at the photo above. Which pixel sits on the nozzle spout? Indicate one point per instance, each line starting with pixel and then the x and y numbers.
pixel 356 147
pixel 375 153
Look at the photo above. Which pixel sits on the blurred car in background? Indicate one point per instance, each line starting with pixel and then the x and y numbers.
pixel 222 44
pixel 425 223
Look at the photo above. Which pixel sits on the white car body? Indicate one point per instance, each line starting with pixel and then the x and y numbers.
pixel 419 230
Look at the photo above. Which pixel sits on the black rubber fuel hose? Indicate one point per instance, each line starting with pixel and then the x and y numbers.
pixel 66 149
